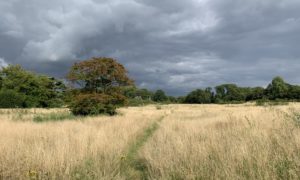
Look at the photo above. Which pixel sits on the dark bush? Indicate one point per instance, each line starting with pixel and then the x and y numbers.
pixel 11 99
pixel 93 104
pixel 159 96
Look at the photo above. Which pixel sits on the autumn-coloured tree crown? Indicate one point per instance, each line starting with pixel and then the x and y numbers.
pixel 99 74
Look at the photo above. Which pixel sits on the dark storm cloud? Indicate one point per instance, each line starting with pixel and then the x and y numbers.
pixel 174 45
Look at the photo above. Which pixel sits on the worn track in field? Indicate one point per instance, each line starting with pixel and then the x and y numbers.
pixel 133 167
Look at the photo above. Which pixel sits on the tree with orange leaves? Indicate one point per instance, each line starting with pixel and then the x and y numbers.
pixel 100 80
pixel 99 74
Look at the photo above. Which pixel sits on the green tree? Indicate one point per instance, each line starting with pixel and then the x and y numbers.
pixel 129 91
pixel 294 92
pixel 145 94
pixel 172 99
pixel 255 93
pixel 180 99
pixel 38 90
pixel 230 92
pixel 11 99
pixel 199 96
pixel 278 89
pixel 159 96
pixel 134 92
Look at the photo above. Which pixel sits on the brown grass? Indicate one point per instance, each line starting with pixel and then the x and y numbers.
pixel 191 142
pixel 225 142
pixel 90 148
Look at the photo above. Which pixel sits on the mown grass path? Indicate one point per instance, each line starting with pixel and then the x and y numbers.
pixel 133 167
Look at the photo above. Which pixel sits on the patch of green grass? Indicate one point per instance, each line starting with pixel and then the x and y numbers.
pixel 53 117
pixel 296 119
pixel 84 171
pixel 263 102
pixel 158 107
pixel 283 168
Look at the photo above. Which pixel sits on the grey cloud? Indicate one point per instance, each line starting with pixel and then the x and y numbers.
pixel 173 45
pixel 2 63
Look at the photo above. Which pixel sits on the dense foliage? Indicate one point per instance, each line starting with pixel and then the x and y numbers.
pixel 11 99
pixel 200 96
pixel 21 88
pixel 92 104
pixel 277 90
pixel 100 81
pixel 99 75
pixel 159 96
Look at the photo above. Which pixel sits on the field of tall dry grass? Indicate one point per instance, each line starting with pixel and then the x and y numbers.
pixel 153 142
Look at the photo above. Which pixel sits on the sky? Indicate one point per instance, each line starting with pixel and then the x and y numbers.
pixel 174 45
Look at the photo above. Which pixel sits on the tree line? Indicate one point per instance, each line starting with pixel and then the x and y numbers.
pixel 24 89
pixel 278 89
pixel 100 85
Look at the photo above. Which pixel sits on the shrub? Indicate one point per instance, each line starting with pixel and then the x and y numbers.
pixel 158 107
pixel 11 99
pixel 93 104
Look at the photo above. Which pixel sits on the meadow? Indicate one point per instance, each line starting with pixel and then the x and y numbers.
pixel 242 141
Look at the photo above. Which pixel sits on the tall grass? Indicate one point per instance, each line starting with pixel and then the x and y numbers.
pixel 242 141
pixel 218 142
pixel 89 149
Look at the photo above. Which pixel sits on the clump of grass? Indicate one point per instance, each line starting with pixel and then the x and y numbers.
pixel 266 102
pixel 158 107
pixel 53 117
pixel 18 116
pixel 296 119
pixel 84 170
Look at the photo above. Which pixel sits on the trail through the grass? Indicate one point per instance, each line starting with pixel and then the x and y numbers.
pixel 132 167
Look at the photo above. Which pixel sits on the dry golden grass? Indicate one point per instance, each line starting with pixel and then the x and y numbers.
pixel 225 142
pixel 90 148
pixel 191 142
